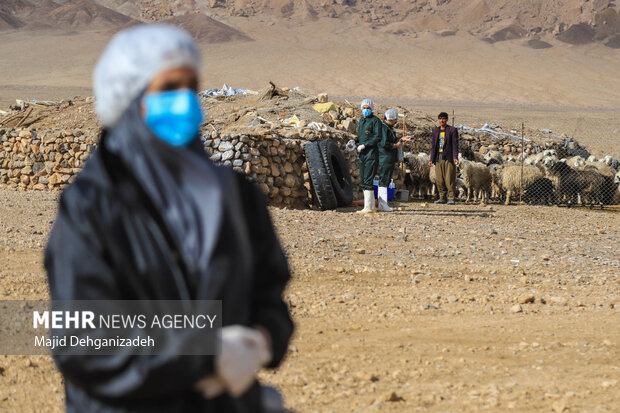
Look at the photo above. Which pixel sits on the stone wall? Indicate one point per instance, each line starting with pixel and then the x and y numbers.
pixel 50 159
pixel 276 163
pixel 39 161
pixel 477 142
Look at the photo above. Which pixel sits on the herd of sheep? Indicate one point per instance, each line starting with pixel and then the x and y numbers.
pixel 543 178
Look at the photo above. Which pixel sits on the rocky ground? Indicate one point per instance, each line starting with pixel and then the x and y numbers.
pixel 430 308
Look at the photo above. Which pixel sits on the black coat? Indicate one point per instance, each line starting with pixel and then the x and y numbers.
pixel 387 152
pixel 119 236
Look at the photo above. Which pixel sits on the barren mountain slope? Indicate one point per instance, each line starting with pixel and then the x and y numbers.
pixel 493 20
pixel 8 21
pixel 207 30
pixel 84 14
pixel 575 22
pixel 72 15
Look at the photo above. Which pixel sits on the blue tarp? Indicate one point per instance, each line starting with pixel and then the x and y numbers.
pixel 492 132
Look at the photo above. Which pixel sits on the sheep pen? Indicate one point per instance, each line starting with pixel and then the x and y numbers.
pixel 534 179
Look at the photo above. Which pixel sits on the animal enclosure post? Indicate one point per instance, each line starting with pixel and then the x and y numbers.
pixel 522 150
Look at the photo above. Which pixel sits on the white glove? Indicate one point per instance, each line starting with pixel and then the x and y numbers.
pixel 244 352
pixel 361 148
pixel 210 387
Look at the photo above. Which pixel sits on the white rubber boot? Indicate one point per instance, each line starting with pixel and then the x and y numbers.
pixel 369 202
pixel 383 200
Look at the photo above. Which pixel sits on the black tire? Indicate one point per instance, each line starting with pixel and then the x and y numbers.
pixel 338 170
pixel 321 183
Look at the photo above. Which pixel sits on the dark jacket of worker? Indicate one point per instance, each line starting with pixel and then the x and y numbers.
pixel 148 221
pixel 369 134
pixel 451 144
pixel 387 154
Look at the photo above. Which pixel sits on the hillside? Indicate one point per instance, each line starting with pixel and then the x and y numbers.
pixel 107 16
pixel 73 15
pixel 206 29
pixel 127 7
pixel 440 57
pixel 8 21
pixel 576 22
pixel 86 15
pixel 15 6
pixel 572 21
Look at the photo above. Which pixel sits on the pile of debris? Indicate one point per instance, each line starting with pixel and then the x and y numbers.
pixel 260 134
pixel 75 113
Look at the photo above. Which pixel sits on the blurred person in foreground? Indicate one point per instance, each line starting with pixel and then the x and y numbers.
pixel 368 137
pixel 445 156
pixel 388 155
pixel 151 218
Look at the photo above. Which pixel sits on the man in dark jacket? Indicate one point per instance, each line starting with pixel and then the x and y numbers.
pixel 151 218
pixel 445 156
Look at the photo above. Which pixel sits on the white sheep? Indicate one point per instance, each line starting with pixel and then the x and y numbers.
pixel 496 181
pixel 546 158
pixel 418 173
pixel 493 157
pixel 616 199
pixel 511 178
pixel 601 167
pixel 433 178
pixel 477 179
pixel 461 188
pixel 521 157
pixel 575 161
pixel 547 161
pixel 609 161
pixel 533 159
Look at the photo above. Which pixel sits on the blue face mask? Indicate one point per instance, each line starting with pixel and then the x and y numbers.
pixel 366 112
pixel 173 116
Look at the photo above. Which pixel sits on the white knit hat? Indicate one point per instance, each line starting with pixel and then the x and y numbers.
pixel 367 102
pixel 132 59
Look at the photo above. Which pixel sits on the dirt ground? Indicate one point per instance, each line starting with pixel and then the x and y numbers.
pixel 429 308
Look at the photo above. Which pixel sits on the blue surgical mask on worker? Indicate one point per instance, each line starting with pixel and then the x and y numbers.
pixel 174 116
pixel 366 112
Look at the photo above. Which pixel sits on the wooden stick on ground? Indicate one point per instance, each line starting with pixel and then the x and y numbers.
pixel 402 164
pixel 10 118
pixel 36 105
pixel 24 118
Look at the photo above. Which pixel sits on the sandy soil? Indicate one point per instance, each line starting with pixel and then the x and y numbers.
pixel 410 311
pixel 568 89
pixel 423 309
pixel 349 59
